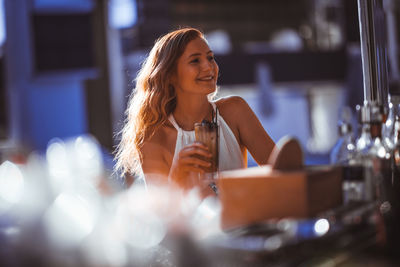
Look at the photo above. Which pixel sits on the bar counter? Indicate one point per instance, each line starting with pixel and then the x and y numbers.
pixel 350 235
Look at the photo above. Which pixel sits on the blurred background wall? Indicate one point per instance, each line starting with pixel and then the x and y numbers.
pixel 68 66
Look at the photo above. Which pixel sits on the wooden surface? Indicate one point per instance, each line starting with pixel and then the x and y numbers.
pixel 261 193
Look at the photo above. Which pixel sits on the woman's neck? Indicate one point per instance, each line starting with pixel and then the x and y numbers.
pixel 190 111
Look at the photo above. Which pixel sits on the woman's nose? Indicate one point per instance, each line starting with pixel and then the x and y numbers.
pixel 206 65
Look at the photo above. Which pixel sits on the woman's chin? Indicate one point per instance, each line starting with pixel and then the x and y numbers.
pixel 210 90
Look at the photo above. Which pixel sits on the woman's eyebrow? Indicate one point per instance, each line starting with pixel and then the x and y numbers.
pixel 198 54
pixel 195 55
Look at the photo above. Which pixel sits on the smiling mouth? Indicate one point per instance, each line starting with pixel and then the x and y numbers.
pixel 206 79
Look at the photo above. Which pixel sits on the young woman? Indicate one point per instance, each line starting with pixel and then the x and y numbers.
pixel 173 91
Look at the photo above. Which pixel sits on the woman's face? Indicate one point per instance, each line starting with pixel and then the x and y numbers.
pixel 196 70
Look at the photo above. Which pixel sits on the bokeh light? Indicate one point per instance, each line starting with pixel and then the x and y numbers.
pixel 11 185
pixel 70 219
pixel 321 227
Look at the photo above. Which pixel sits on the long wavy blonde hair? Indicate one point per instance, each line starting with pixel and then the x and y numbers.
pixel 153 98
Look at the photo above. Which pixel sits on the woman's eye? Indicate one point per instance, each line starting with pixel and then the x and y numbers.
pixel 211 58
pixel 195 60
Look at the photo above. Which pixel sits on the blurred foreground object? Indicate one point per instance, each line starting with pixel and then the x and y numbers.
pixel 286 155
pixel 54 211
pixel 63 208
pixel 283 189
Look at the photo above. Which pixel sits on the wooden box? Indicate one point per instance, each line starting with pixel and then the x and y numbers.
pixel 256 194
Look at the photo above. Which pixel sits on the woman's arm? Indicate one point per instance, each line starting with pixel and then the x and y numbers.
pixel 250 131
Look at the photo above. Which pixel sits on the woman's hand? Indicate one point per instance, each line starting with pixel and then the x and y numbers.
pixel 192 158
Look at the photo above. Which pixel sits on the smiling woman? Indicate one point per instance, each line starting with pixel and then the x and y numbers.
pixel 174 91
pixel 196 70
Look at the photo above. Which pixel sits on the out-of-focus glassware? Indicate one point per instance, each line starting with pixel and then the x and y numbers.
pixel 344 154
pixel 396 153
pixel 207 133
pixel 372 152
pixel 344 150
pixel 396 139
pixel 391 136
pixel 388 127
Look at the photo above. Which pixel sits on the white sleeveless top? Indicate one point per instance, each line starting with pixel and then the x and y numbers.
pixel 230 155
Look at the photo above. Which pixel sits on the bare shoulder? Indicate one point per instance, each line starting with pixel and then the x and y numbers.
pixel 232 106
pixel 235 112
pixel 247 127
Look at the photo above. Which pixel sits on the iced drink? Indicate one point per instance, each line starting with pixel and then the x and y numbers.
pixel 207 133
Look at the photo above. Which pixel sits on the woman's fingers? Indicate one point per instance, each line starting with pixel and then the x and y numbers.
pixel 192 158
pixel 194 168
pixel 195 162
pixel 195 157
pixel 195 149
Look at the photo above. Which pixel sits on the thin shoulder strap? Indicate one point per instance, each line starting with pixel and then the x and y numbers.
pixel 173 122
pixel 216 111
pixel 214 106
